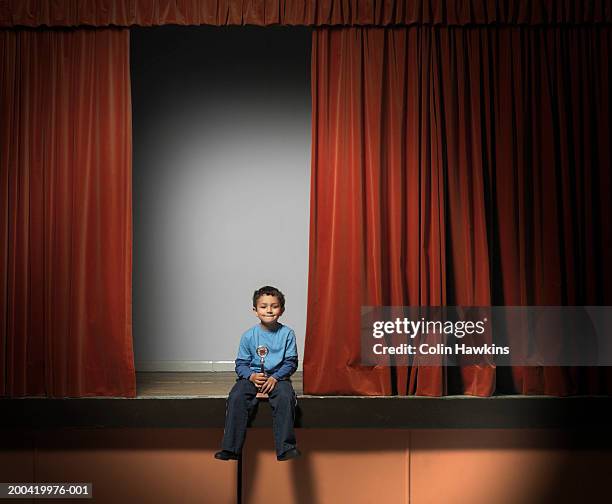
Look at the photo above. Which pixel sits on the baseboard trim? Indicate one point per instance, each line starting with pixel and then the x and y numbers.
pixel 184 366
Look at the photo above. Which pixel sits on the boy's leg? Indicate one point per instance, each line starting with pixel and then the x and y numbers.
pixel 283 402
pixel 239 403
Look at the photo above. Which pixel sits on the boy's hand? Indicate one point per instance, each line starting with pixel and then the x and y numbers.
pixel 268 386
pixel 258 379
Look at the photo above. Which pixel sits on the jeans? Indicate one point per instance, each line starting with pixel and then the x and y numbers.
pixel 242 406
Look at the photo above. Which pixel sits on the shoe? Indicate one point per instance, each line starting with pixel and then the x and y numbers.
pixel 226 455
pixel 289 454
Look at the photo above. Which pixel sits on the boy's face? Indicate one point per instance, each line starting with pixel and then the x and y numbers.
pixel 268 309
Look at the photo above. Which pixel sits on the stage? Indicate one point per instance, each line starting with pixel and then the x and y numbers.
pixel 197 400
pixel 391 448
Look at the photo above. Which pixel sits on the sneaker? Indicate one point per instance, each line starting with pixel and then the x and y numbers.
pixel 226 455
pixel 289 454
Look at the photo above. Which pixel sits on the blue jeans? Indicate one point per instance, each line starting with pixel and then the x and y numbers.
pixel 242 405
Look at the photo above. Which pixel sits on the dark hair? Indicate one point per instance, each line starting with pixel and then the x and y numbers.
pixel 269 291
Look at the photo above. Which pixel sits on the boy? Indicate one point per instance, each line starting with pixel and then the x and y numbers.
pixel 280 363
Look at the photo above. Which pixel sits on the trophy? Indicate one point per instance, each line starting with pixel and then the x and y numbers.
pixel 262 351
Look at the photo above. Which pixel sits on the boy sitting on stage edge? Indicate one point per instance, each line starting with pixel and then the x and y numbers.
pixel 277 342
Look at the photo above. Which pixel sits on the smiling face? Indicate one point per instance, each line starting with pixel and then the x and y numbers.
pixel 268 310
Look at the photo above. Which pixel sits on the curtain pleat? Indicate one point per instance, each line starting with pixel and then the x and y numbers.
pixel 456 166
pixel 65 214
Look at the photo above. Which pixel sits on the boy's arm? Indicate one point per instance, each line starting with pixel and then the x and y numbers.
pixel 243 368
pixel 290 362
pixel 288 367
pixel 243 360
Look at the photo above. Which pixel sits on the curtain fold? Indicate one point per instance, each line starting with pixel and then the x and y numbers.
pixel 456 166
pixel 65 214
pixel 33 13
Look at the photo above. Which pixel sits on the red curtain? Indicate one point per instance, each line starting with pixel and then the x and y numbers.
pixel 65 214
pixel 456 166
pixel 126 13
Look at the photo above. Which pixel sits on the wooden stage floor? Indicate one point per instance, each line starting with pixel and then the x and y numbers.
pixel 190 384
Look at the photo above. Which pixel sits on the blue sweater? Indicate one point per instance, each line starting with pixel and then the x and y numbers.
pixel 282 359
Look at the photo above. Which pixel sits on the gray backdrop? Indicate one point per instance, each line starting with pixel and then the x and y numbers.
pixel 221 176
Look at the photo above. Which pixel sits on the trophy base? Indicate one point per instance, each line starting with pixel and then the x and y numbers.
pixel 261 396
